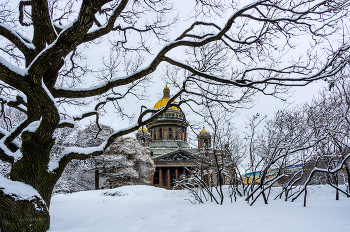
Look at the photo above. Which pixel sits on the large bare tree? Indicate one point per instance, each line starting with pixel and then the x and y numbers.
pixel 40 74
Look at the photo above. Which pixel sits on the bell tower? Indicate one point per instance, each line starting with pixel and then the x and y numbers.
pixel 143 136
pixel 204 139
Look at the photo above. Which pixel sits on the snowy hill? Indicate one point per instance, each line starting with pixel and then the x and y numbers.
pixel 146 208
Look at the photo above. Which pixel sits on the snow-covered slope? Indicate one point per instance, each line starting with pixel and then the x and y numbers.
pixel 146 208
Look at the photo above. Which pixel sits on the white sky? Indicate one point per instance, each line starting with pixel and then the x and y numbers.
pixel 263 104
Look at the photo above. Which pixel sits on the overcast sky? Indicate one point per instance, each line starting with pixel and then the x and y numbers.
pixel 263 104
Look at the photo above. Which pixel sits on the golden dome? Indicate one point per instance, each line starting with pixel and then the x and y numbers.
pixel 142 129
pixel 203 130
pixel 162 102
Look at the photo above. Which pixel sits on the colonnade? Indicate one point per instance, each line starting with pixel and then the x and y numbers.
pixel 166 176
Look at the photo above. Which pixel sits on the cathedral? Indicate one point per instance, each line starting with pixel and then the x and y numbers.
pixel 166 142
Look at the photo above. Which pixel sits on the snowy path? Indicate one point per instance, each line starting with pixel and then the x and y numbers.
pixel 146 208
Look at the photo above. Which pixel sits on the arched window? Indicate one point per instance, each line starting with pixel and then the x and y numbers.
pixel 206 143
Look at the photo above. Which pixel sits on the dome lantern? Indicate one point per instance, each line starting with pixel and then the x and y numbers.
pixel 166 92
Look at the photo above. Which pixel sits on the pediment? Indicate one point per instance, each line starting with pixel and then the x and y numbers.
pixel 178 155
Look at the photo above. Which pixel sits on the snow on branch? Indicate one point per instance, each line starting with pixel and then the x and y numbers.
pixel 22 43
pixel 33 126
pixel 15 103
pixel 316 169
pixel 9 147
pixel 70 122
pixel 11 74
pixel 7 155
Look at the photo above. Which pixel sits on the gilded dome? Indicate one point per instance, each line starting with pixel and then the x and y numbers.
pixel 204 133
pixel 162 102
pixel 142 128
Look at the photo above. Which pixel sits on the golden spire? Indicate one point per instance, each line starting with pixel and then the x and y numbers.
pixel 142 129
pixel 203 130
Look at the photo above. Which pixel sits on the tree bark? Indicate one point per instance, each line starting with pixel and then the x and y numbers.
pixel 23 215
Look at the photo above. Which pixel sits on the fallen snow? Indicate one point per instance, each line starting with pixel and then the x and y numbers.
pixel 146 208
pixel 19 190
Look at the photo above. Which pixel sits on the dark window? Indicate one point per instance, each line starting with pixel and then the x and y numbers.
pixel 205 143
pixel 170 133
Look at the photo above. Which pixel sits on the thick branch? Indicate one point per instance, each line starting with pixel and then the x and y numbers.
pixel 12 75
pixel 12 136
pixel 44 32
pixel 15 103
pixel 108 27
pixel 25 47
pixel 21 10
pixel 4 153
pixel 6 158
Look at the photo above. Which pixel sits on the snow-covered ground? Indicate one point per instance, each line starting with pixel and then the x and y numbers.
pixel 146 208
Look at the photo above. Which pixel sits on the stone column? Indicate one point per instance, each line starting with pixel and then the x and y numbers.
pixel 160 177
pixel 152 182
pixel 176 174
pixel 168 178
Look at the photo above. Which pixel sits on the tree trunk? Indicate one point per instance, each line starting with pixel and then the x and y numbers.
pixel 31 169
pixel 30 215
pixel 23 215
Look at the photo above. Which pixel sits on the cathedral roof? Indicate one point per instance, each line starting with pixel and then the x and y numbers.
pixel 204 133
pixel 163 101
